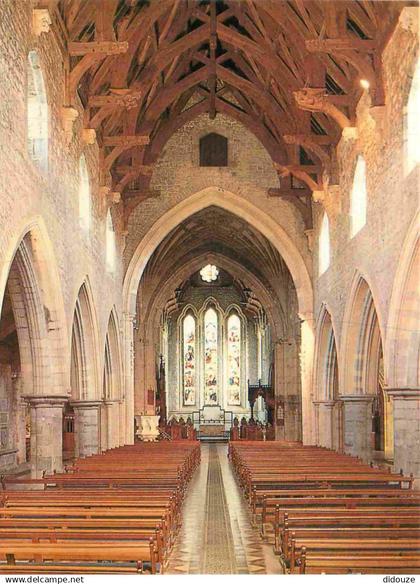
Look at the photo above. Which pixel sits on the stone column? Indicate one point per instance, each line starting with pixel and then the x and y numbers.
pixel 112 423
pixel 122 423
pixel 46 433
pixel 406 409
pixel 129 320
pixel 87 425
pixel 287 387
pixel 316 422
pixel 357 416
pixel 326 423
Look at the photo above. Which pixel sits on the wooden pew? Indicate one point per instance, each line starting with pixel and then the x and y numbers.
pixel 126 518
pixel 330 512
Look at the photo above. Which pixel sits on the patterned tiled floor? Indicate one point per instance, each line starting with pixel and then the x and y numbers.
pixel 216 535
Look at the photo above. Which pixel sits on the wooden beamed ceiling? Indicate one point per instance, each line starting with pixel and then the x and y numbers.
pixel 288 70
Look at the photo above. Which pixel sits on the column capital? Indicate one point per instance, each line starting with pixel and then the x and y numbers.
pixel 356 398
pixel 110 402
pixel 85 404
pixel 406 393
pixel 46 401
pixel 327 403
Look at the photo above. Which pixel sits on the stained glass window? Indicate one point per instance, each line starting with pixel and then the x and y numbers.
pixel 234 360
pixel 210 357
pixel 189 338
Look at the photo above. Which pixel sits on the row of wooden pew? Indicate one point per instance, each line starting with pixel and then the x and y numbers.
pixel 327 512
pixel 116 512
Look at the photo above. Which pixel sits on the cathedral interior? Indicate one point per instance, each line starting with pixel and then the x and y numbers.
pixel 209 245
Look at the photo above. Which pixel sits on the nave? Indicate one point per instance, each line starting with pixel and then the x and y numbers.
pixel 216 535
pixel 179 507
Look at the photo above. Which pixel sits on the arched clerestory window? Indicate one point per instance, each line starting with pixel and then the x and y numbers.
pixel 37 112
pixel 234 360
pixel 324 245
pixel 189 360
pixel 358 198
pixel 211 381
pixel 84 194
pixel 412 122
pixel 110 243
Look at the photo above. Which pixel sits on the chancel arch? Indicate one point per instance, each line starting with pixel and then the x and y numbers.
pixel 264 224
pixel 221 268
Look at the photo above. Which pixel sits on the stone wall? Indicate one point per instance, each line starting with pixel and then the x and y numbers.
pixel 250 173
pixel 374 253
pixel 50 197
pixel 47 202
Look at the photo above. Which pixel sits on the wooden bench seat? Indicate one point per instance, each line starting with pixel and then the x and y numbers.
pixel 270 506
pixel 71 568
pixel 120 510
pixel 328 512
pixel 355 545
pixel 138 552
pixel 316 563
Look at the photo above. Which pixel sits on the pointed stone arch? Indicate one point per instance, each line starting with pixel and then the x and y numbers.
pixel 84 354
pixel 84 374
pixel 403 334
pixel 362 373
pixel 214 196
pixel 112 390
pixel 402 353
pixel 31 285
pixel 327 406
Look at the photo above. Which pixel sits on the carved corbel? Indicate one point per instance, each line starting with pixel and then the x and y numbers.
pixel 68 117
pixel 104 191
pixel 41 21
pixel 318 196
pixel 409 19
pixel 377 113
pixel 310 236
pixel 88 136
pixel 115 197
pixel 314 99
pixel 350 133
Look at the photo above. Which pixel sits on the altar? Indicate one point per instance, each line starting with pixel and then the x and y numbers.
pixel 211 430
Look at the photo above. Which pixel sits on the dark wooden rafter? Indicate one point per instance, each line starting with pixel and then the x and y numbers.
pixel 289 70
